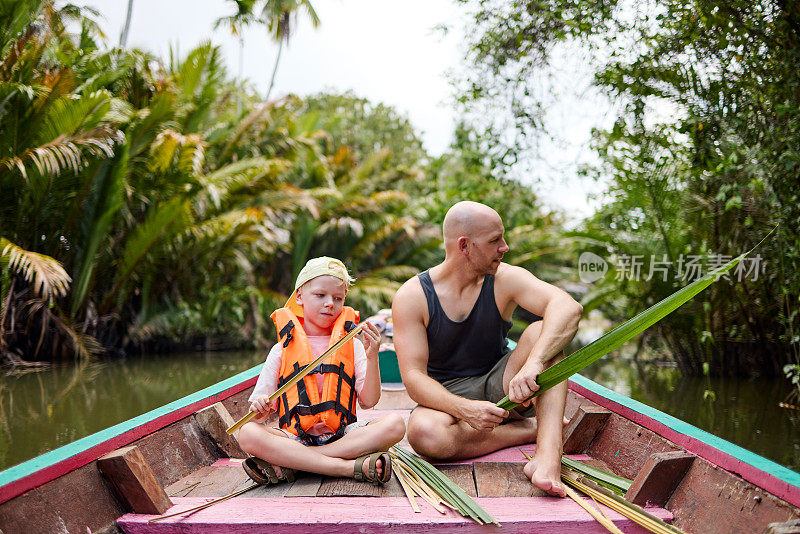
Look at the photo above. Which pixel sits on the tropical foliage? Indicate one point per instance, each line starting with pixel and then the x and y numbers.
pixel 701 161
pixel 156 204
pixel 138 204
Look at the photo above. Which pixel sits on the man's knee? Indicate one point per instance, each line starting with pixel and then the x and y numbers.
pixel 428 436
pixel 531 333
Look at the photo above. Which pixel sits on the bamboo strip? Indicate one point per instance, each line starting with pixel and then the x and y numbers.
pixel 611 481
pixel 605 521
pixel 422 490
pixel 613 501
pixel 449 490
pixel 407 490
pixel 307 369
pixel 206 505
pixel 618 504
pixel 428 489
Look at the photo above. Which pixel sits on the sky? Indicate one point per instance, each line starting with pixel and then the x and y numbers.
pixel 388 52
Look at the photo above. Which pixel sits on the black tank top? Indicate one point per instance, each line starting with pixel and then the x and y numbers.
pixel 467 348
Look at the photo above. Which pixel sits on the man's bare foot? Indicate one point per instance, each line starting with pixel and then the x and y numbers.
pixel 545 477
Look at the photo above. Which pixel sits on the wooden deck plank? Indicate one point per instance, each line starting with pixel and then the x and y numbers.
pixel 394 400
pixel 346 487
pixel 503 479
pixel 463 477
pixel 220 482
pixel 184 486
pixel 307 485
pixel 350 487
pixel 210 481
pixel 268 491
pixel 338 515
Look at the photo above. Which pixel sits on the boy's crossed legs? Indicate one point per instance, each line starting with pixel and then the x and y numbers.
pixel 332 459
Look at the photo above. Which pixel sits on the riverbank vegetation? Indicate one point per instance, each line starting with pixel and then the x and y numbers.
pixel 700 162
pixel 156 205
pixel 160 203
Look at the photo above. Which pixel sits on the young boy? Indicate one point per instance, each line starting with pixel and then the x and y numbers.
pixel 318 429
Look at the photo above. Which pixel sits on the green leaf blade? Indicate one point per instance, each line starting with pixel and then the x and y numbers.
pixel 626 331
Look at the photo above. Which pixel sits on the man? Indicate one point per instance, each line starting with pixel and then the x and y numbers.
pixel 450 324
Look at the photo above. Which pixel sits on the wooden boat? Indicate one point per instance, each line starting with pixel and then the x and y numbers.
pixel 178 456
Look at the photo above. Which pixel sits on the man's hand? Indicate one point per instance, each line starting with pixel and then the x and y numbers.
pixel 262 407
pixel 523 385
pixel 482 415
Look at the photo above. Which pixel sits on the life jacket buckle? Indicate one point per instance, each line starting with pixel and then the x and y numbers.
pixel 287 331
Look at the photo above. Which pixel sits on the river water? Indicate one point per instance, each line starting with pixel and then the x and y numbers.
pixel 44 410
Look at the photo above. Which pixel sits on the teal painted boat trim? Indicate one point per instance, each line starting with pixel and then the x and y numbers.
pixel 390 371
pixel 743 455
pixel 70 450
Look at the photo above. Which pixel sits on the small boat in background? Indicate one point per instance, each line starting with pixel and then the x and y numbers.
pixel 178 456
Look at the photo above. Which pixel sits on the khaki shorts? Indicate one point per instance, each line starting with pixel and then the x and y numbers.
pixel 488 387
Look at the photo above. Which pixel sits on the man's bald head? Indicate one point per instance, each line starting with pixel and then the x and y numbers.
pixel 466 219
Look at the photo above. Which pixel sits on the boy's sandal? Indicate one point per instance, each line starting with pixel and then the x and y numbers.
pixel 372 474
pixel 262 472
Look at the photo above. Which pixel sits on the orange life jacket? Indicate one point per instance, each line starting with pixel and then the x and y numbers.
pixel 301 407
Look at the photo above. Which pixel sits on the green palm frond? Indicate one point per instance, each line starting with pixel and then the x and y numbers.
pixel 190 72
pixel 14 50
pixel 221 184
pixel 396 273
pixel 284 198
pixel 190 150
pixel 375 289
pixel 63 152
pixel 375 203
pixel 342 224
pixel 626 331
pixel 47 275
pixel 166 218
pixel 261 114
pixel 97 212
pixel 200 79
pixel 370 165
pixel 15 18
pixel 26 94
pixel 406 225
pixel 231 231
pixel 69 115
pixel 168 322
pixel 149 122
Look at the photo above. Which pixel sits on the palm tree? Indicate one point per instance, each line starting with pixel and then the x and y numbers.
pixel 279 17
pixel 123 37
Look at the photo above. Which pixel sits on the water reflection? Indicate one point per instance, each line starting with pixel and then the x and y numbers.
pixel 43 410
pixel 744 412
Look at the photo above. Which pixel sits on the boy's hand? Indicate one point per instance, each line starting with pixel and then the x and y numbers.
pixel 262 407
pixel 371 338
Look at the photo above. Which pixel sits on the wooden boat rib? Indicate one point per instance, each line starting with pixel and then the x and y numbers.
pixel 699 482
